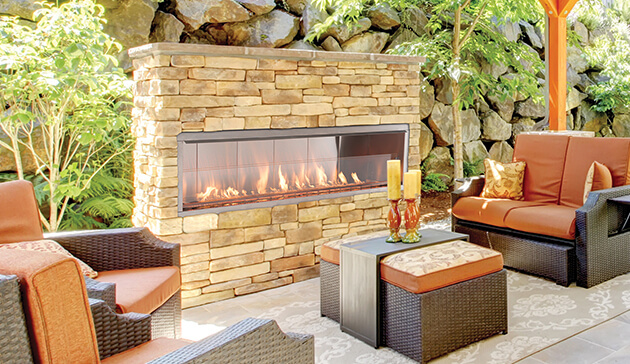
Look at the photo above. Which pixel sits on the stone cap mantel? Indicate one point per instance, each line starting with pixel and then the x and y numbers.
pixel 153 49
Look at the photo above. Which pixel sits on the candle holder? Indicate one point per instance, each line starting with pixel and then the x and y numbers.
pixel 412 217
pixel 393 222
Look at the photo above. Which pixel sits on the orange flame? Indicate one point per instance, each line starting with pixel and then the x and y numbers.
pixel 261 185
pixel 322 178
pixel 342 178
pixel 356 178
pixel 282 180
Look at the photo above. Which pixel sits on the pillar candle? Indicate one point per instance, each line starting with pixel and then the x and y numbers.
pixel 410 185
pixel 419 180
pixel 393 179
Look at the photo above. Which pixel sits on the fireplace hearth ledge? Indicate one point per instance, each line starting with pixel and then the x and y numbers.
pixel 181 88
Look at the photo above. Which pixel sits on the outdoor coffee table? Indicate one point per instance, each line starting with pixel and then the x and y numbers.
pixel 360 281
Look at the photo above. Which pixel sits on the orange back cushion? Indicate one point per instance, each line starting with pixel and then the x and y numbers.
pixel 614 153
pixel 544 156
pixel 56 306
pixel 19 215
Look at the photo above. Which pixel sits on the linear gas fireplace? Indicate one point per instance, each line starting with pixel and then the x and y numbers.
pixel 235 169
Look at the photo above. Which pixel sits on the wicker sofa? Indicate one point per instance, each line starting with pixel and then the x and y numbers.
pixel 553 233
pixel 137 271
pixel 45 318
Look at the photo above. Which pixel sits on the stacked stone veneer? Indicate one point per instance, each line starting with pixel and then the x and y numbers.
pixel 183 88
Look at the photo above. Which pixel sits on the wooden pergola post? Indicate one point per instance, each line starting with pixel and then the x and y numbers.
pixel 557 11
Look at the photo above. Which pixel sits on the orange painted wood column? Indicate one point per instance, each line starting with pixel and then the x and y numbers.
pixel 557 11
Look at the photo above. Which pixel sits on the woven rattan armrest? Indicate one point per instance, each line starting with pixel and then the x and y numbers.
pixel 116 333
pixel 118 249
pixel 471 186
pixel 14 342
pixel 601 253
pixel 103 291
pixel 249 341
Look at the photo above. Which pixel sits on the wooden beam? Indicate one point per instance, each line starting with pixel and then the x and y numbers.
pixel 565 6
pixel 557 73
pixel 551 7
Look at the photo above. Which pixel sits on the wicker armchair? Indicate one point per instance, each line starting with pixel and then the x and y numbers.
pixel 103 250
pixel 59 336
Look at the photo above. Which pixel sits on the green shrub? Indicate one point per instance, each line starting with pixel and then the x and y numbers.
pixel 434 182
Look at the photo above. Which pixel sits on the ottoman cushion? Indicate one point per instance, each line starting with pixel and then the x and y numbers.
pixel 330 251
pixel 437 266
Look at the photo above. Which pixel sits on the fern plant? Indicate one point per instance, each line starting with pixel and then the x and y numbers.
pixel 472 169
pixel 434 182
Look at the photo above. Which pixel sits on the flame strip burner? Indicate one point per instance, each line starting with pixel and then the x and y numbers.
pixel 280 196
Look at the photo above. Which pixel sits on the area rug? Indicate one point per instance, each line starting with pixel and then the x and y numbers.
pixel 541 313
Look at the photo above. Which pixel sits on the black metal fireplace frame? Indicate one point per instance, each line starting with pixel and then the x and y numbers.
pixel 263 134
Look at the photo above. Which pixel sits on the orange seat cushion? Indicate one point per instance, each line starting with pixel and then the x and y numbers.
pixel 20 222
pixel 56 306
pixel 142 290
pixel 437 266
pixel 491 211
pixel 330 251
pixel 544 156
pixel 146 352
pixel 614 153
pixel 552 220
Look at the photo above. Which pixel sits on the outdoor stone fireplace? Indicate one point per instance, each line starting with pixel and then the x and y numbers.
pixel 252 158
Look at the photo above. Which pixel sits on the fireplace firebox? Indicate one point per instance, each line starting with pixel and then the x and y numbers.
pixel 231 170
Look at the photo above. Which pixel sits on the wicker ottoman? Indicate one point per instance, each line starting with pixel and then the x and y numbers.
pixel 439 298
pixel 329 280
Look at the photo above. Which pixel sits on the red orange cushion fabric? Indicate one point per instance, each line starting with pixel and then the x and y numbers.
pixel 142 290
pixel 598 178
pixel 436 266
pixel 50 246
pixel 552 220
pixel 544 156
pixel 20 222
pixel 491 211
pixel 330 251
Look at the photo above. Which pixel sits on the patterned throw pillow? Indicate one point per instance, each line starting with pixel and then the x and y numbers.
pixel 503 180
pixel 598 178
pixel 50 246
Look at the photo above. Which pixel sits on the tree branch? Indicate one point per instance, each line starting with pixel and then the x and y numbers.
pixel 472 26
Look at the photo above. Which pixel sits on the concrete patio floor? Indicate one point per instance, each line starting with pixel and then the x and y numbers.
pixel 608 342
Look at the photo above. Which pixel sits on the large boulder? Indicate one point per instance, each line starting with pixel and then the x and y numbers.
pixel 581 30
pixel 576 59
pixel 439 161
pixel 584 83
pixel 530 109
pixel 130 23
pixel 511 31
pixel 475 152
pixel 195 13
pixel 258 7
pixel 330 44
pixel 427 99
pixel 573 78
pixel 383 16
pixel 522 126
pixel 590 119
pixel 166 28
pixel 312 15
pixel 495 128
pixel 444 90
pixel 621 125
pixel 426 141
pixel 368 42
pixel 532 35
pixel 505 108
pixel 296 6
pixel 271 30
pixel 400 36
pixel 441 122
pixel 22 8
pixel 502 152
pixel 416 19
pixel 301 44
pixel 343 32
pixel 494 69
pixel 574 98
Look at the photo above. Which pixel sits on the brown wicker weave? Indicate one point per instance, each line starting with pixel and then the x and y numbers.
pixel 599 252
pixel 329 290
pixel 118 249
pixel 427 325
pixel 14 343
